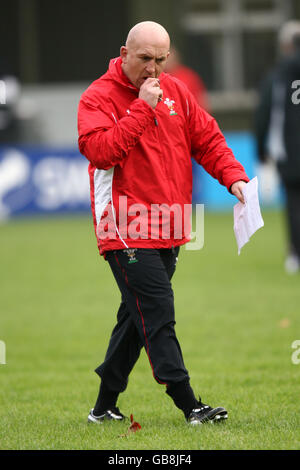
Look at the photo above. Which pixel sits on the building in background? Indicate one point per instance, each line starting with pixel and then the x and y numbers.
pixel 230 44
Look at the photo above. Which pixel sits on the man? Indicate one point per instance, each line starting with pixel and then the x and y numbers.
pixel 277 131
pixel 138 128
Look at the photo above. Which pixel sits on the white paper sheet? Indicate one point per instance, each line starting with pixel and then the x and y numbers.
pixel 247 217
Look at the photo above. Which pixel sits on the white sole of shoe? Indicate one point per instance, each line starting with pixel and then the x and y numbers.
pixel 217 418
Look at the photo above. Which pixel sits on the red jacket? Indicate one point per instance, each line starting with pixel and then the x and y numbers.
pixel 140 159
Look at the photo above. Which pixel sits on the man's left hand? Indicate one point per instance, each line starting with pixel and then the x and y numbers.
pixel 237 190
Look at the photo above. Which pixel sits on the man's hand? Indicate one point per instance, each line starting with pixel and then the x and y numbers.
pixel 150 92
pixel 237 190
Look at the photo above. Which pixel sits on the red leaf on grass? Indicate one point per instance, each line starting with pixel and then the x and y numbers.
pixel 135 426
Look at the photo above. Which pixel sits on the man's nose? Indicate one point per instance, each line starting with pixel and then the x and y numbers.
pixel 151 67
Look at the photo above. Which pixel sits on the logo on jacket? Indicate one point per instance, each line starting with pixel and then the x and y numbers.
pixel 170 104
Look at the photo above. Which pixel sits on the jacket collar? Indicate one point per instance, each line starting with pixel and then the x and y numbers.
pixel 116 72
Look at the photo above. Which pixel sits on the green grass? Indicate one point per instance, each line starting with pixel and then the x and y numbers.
pixel 57 308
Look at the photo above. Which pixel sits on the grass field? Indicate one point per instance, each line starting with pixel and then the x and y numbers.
pixel 237 317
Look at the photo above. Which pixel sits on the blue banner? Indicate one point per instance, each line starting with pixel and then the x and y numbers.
pixel 215 197
pixel 42 180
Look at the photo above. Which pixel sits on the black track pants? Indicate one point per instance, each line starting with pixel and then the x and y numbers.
pixel 145 318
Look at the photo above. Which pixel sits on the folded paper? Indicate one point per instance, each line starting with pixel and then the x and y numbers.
pixel 247 216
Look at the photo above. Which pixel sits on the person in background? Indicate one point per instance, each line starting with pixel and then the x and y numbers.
pixel 10 91
pixel 176 68
pixel 192 80
pixel 277 130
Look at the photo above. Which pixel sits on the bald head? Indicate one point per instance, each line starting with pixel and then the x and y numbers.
pixel 148 31
pixel 146 52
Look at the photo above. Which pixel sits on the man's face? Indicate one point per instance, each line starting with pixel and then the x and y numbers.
pixel 144 61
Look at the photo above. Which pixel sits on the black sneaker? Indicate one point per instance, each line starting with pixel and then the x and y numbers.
pixel 113 414
pixel 205 413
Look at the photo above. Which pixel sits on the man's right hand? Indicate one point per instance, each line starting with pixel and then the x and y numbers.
pixel 150 92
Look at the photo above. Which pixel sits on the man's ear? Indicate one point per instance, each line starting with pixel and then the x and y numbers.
pixel 123 54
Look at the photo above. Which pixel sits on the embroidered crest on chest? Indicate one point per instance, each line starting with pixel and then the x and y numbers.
pixel 170 104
